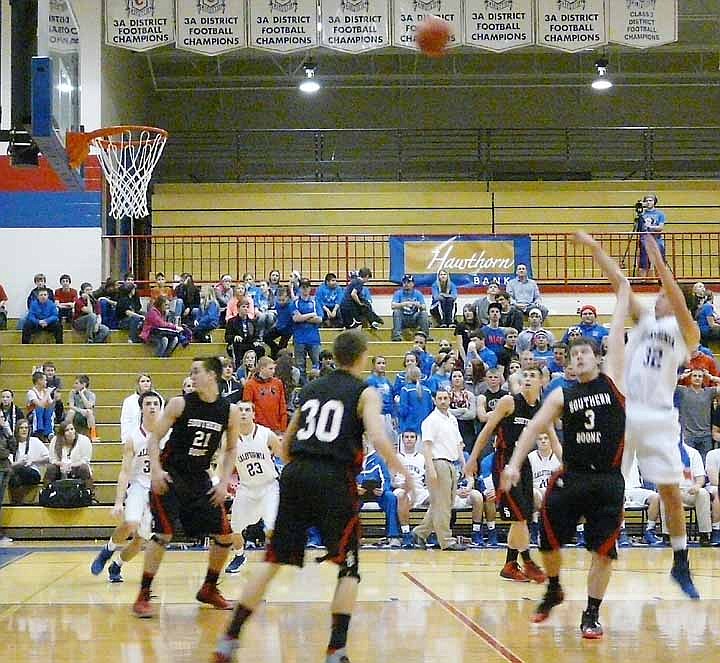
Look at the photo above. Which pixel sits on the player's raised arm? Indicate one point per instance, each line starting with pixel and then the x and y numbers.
pixel 172 412
pixel 542 422
pixel 615 358
pixel 611 270
pixel 688 326
pixel 504 407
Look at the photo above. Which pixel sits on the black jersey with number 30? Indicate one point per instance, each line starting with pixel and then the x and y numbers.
pixel 593 426
pixel 196 435
pixel 329 425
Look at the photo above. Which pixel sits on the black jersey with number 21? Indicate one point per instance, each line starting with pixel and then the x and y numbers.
pixel 196 435
pixel 329 425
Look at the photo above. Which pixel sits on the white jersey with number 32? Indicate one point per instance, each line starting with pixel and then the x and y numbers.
pixel 140 472
pixel 654 352
pixel 254 462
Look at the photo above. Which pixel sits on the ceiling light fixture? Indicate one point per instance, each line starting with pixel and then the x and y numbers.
pixel 309 84
pixel 602 82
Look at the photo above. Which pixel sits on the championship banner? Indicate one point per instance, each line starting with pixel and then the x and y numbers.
pixel 355 26
pixel 499 25
pixel 62 28
pixel 139 25
pixel 408 13
pixel 283 26
pixel 471 260
pixel 571 25
pixel 210 27
pixel 644 23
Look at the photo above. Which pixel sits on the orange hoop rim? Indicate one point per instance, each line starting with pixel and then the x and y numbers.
pixel 77 143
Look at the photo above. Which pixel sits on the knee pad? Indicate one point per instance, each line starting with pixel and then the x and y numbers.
pixel 222 545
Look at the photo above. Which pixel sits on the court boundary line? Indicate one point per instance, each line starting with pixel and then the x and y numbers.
pixel 470 623
pixel 19 554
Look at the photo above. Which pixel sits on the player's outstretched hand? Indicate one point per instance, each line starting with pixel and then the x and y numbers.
pixel 218 493
pixel 509 478
pixel 584 238
pixel 652 248
pixel 160 482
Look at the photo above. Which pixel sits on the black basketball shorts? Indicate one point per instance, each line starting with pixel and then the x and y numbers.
pixel 517 504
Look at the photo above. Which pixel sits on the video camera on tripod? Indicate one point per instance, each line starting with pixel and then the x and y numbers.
pixel 639 225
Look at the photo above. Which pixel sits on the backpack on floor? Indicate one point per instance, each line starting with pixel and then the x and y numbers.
pixel 65 494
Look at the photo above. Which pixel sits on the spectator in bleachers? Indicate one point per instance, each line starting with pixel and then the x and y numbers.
pixel 712 469
pixel 54 384
pixel 356 304
pixel 463 406
pixel 494 333
pixel 40 282
pixel 414 462
pixel 699 360
pixel 306 330
pixel 265 314
pixel 588 326
pixel 378 379
pixel 469 497
pixel 563 380
pixel 638 495
pixel 42 315
pixel 653 222
pixel 510 315
pixel 65 297
pixel 488 400
pixel 415 403
pixel 274 278
pixel 3 308
pixel 374 484
pixel 480 305
pixel 241 334
pixel 156 330
pixel 208 315
pixel 425 359
pixel 465 328
pixel 559 360
pixel 128 311
pixel 524 292
pixel 224 292
pixel 240 293
pixel 294 283
pixel 162 289
pixel 187 300
pixel 188 386
pixel 444 300
pixel 544 464
pixel 248 278
pixel 409 360
pixel 440 378
pixel 475 378
pixel 282 329
pixel 409 309
pixel 10 411
pixel 267 394
pixel 289 375
pixel 509 350
pixel 87 318
pixel 29 459
pixel 708 320
pixel 693 493
pixel 130 411
pixel 696 297
pixel 247 367
pixel 81 408
pixel 41 404
pixel 477 350
pixel 70 454
pixel 230 388
pixel 327 363
pixel 107 294
pixel 542 352
pixel 442 447
pixel 535 324
pixel 7 449
pixel 695 406
pixel 329 296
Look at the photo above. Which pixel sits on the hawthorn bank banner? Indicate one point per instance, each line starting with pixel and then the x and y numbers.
pixel 471 260
pixel 213 27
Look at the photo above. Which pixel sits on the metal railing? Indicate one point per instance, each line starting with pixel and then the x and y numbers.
pixel 556 258
pixel 483 154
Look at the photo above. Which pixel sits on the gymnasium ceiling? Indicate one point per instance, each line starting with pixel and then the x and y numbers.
pixel 693 61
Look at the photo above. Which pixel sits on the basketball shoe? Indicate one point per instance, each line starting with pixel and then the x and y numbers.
pixel 511 571
pixel 590 627
pixel 680 573
pixel 211 595
pixel 235 564
pixel 103 557
pixel 115 572
pixel 533 572
pixel 142 607
pixel 553 597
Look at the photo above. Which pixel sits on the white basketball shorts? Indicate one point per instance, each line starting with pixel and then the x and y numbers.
pixel 137 509
pixel 249 506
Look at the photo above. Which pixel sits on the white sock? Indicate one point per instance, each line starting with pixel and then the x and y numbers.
pixel 405 529
pixel 491 525
pixel 580 527
pixel 622 525
pixel 118 560
pixel 477 527
pixel 651 524
pixel 536 517
pixel 111 545
pixel 678 542
pixel 239 552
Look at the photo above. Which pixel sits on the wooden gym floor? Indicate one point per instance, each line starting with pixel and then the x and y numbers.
pixel 414 606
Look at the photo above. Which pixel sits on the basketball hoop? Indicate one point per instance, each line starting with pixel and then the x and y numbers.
pixel 128 154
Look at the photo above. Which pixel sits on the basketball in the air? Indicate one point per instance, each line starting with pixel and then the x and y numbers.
pixel 432 36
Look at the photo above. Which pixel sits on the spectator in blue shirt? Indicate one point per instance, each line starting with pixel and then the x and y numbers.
pixel 408 309
pixel 207 317
pixel 378 380
pixel 652 222
pixel 588 325
pixel 477 350
pixel 356 303
pixel 560 358
pixel 494 334
pixel 425 360
pixel 707 321
pixel 283 327
pixel 416 402
pixel 374 484
pixel 444 300
pixel 306 330
pixel 409 360
pixel 42 315
pixel 329 296
pixel 440 379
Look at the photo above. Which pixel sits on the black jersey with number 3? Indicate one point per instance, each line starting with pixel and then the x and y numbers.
pixel 196 435
pixel 329 425
pixel 593 426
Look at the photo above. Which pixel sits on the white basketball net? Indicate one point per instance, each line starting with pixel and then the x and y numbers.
pixel 128 159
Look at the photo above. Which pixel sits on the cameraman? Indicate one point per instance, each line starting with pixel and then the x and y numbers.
pixel 649 220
